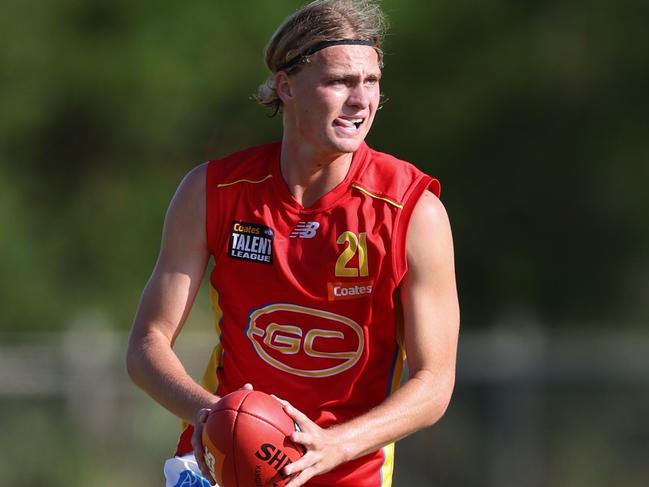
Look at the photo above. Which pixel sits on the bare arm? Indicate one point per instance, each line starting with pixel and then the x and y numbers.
pixel 166 302
pixel 431 319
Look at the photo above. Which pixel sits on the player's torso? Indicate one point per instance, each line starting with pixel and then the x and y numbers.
pixel 306 299
pixel 305 295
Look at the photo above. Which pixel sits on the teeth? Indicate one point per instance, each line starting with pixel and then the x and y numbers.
pixel 349 122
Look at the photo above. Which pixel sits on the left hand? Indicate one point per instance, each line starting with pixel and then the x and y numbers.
pixel 323 449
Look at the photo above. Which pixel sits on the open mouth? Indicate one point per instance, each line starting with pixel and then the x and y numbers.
pixel 349 123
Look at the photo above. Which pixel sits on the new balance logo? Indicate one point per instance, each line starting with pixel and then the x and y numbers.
pixel 305 230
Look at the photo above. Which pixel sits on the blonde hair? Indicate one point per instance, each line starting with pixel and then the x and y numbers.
pixel 321 20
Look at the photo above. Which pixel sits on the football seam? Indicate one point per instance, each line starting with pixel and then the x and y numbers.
pixel 264 420
pixel 260 418
pixel 245 399
pixel 234 443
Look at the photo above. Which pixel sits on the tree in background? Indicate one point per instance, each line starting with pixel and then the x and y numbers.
pixel 533 116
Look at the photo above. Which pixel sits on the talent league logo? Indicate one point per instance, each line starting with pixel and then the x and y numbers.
pixel 251 242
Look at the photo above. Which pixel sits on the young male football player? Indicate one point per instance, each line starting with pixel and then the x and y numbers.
pixel 333 262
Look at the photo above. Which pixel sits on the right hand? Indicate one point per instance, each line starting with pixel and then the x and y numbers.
pixel 197 439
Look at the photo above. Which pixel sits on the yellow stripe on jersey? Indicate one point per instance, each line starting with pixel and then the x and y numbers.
pixel 210 382
pixel 216 308
pixel 388 465
pixel 223 185
pixel 376 196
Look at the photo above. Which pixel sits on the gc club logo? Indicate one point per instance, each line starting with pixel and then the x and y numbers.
pixel 303 341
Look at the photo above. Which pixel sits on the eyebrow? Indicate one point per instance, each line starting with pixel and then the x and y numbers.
pixel 351 76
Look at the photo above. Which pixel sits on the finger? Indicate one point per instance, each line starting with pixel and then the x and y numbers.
pixel 281 401
pixel 302 478
pixel 197 437
pixel 302 438
pixel 205 472
pixel 298 416
pixel 202 415
pixel 198 447
pixel 197 443
pixel 308 460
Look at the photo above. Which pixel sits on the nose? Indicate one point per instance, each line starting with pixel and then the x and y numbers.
pixel 359 96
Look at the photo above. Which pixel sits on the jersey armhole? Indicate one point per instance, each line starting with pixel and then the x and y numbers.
pixel 400 257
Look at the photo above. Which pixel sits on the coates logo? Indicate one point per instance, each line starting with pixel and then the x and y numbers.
pixel 305 230
pixel 340 290
pixel 304 341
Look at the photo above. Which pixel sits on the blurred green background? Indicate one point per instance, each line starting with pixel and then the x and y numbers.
pixel 533 115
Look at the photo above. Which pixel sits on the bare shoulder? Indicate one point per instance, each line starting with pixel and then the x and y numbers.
pixel 191 190
pixel 429 230
pixel 184 228
pixel 429 208
pixel 196 177
pixel 188 203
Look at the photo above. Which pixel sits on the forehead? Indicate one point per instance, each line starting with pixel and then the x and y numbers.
pixel 347 58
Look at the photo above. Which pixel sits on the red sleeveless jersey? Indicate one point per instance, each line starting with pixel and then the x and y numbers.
pixel 306 299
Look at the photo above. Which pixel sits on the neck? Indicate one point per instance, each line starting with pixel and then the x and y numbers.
pixel 311 174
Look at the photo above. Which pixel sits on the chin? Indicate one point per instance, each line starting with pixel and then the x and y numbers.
pixel 348 145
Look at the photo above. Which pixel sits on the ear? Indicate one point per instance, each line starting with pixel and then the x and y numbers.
pixel 283 86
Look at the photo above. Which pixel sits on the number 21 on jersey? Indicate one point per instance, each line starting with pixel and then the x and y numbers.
pixel 355 245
